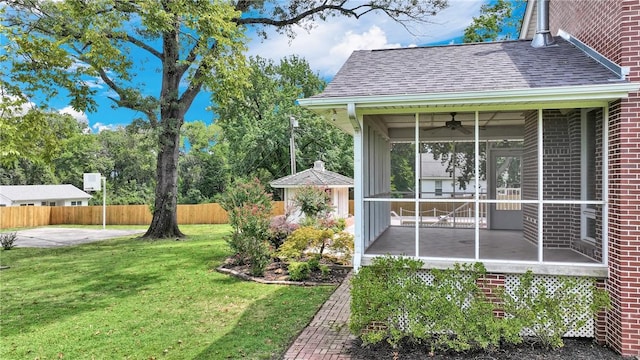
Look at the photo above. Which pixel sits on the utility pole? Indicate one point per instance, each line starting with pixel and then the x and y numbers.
pixel 292 143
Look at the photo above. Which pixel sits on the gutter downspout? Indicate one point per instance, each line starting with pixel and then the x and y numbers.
pixel 543 37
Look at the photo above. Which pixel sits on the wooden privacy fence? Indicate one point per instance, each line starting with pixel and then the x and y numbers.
pixel 31 216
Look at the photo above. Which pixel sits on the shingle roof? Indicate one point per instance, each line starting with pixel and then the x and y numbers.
pixel 316 176
pixel 431 168
pixel 42 192
pixel 465 68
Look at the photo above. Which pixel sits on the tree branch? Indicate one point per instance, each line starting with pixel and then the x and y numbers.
pixel 126 100
pixel 137 42
pixel 297 18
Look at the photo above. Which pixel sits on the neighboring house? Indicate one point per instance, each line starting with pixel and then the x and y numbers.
pixel 335 184
pixel 43 195
pixel 436 181
pixel 572 108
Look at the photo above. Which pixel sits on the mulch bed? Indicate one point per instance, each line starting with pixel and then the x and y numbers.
pixel 574 349
pixel 276 273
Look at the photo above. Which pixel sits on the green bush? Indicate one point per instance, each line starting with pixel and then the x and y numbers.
pixel 314 263
pixel 390 302
pixel 303 239
pixel 313 201
pixel 551 314
pixel 325 270
pixel 249 209
pixel 299 271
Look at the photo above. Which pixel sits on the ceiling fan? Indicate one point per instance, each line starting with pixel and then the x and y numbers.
pixel 452 124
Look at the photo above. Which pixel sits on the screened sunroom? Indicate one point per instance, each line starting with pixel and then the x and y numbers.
pixel 521 139
pixel 525 188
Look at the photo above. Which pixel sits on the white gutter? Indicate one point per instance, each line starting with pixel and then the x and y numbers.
pixel 511 96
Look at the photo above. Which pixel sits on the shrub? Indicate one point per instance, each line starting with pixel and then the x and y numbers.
pixel 390 302
pixel 7 240
pixel 314 263
pixel 325 270
pixel 299 271
pixel 313 201
pixel 316 241
pixel 279 229
pixel 302 239
pixel 551 314
pixel 342 243
pixel 249 209
pixel 379 298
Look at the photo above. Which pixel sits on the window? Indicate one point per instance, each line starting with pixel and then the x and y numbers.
pixel 76 203
pixel 438 187
pixel 44 203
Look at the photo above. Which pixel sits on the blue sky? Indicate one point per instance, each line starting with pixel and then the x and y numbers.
pixel 325 47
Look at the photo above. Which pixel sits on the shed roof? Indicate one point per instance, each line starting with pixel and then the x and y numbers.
pixel 466 68
pixel 42 192
pixel 316 176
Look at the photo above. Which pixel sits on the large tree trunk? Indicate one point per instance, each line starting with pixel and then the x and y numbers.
pixel 165 217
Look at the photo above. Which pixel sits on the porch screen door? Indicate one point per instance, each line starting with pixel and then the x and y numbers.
pixel 504 183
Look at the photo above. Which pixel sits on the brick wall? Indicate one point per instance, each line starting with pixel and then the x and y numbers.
pixel 562 181
pixel 612 28
pixel 558 179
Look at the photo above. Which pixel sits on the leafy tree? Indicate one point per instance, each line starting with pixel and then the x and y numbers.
pixel 193 45
pixel 28 132
pixel 402 167
pixel 36 162
pixel 256 128
pixel 495 22
pixel 203 164
pixel 129 155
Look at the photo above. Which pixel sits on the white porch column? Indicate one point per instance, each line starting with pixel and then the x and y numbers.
pixel 358 183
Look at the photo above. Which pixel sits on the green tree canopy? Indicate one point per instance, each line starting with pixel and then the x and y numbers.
pixel 193 45
pixel 256 128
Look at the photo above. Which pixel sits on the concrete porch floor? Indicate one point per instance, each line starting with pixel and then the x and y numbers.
pixel 459 243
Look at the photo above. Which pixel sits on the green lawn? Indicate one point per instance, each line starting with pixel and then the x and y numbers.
pixel 134 299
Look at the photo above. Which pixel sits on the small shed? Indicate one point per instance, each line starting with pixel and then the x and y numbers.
pixel 43 195
pixel 336 185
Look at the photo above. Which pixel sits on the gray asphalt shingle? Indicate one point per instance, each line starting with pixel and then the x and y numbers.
pixel 316 176
pixel 465 68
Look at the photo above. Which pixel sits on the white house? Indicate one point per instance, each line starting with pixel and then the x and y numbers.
pixel 43 195
pixel 336 185
pixel 436 181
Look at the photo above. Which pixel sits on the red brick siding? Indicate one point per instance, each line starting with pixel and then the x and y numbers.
pixel 612 27
pixel 591 21
pixel 562 180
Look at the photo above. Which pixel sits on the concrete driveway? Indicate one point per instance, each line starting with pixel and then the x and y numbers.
pixel 47 237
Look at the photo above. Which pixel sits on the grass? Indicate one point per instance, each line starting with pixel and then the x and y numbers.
pixel 134 299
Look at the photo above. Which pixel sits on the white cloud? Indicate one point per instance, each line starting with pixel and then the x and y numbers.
pixel 98 127
pixel 329 44
pixel 80 116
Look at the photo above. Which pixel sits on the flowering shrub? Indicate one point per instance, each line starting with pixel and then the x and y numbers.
pixel 313 201
pixel 279 228
pixel 249 209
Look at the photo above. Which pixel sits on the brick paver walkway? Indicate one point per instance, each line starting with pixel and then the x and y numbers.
pixel 327 336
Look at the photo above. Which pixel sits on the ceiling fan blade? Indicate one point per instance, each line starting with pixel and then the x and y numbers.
pixel 463 130
pixel 433 128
